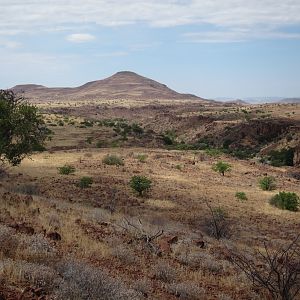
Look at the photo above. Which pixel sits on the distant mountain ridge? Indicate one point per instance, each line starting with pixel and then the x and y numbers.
pixel 122 85
pixel 290 100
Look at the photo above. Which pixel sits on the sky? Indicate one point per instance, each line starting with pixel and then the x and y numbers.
pixel 211 48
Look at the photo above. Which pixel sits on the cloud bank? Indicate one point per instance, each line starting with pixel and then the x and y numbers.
pixel 237 19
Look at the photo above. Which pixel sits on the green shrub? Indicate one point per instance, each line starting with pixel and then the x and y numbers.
pixel 267 183
pixel 99 144
pixel 214 152
pixel 140 184
pixel 142 157
pixel 136 128
pixel 113 160
pixel 284 157
pixel 85 182
pixel 241 196
pixel 89 140
pixel 169 137
pixel 286 200
pixel 178 167
pixel 222 167
pixel 66 170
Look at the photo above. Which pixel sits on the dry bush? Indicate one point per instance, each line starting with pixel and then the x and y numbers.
pixel 25 188
pixel 8 241
pixel 217 224
pixel 23 272
pixel 224 297
pixel 142 287
pixel 124 254
pixel 276 271
pixel 98 215
pixel 35 248
pixel 143 232
pixel 165 273
pixel 54 221
pixel 81 281
pixel 201 260
pixel 187 291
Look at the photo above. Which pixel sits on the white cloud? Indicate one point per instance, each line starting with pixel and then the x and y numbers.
pixel 80 37
pixel 236 36
pixel 9 44
pixel 35 15
pixel 112 54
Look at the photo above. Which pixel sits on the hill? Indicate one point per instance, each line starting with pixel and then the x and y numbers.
pixel 122 85
pixel 290 100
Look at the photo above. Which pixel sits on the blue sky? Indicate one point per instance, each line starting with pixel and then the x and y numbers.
pixel 212 48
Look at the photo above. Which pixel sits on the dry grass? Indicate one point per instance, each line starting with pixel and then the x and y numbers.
pixel 97 257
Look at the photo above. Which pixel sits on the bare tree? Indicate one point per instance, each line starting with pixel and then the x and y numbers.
pixel 141 234
pixel 277 271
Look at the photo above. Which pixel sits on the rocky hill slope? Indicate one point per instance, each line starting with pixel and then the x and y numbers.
pixel 122 85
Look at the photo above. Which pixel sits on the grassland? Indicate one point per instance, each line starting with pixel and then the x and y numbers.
pixel 60 241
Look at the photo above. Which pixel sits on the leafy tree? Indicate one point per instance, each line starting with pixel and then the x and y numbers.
pixel 267 183
pixel 140 184
pixel 222 167
pixel 22 129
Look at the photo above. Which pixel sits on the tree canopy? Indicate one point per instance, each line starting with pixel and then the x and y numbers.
pixel 22 129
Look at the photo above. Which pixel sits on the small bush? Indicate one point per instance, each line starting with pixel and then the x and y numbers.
pixel 165 273
pixel 35 248
pixel 124 254
pixel 142 158
pixel 241 196
pixel 286 200
pixel 80 281
pixel 267 183
pixel 222 167
pixel 89 140
pixel 186 291
pixel 178 167
pixel 8 241
pixel 26 188
pixel 66 170
pixel 140 184
pixel 213 152
pixel 113 160
pixel 100 144
pixel 85 182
